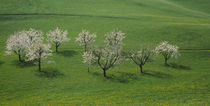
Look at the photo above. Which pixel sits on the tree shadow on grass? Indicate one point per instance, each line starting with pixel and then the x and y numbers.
pixel 23 64
pixel 67 53
pixel 1 62
pixel 122 77
pixel 157 74
pixel 179 67
pixel 49 73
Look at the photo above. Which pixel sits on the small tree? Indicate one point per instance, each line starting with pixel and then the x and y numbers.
pixel 18 44
pixel 140 57
pixel 88 58
pixel 167 50
pixel 37 52
pixel 108 56
pixel 57 37
pixel 85 39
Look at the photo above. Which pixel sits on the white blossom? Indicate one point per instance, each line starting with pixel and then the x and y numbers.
pixel 114 39
pixel 20 42
pixel 38 51
pixel 86 39
pixel 57 37
pixel 34 36
pixel 167 50
pixel 17 43
pixel 88 57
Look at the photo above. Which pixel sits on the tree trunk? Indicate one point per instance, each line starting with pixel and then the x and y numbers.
pixel 104 72
pixel 166 61
pixel 56 48
pixel 88 69
pixel 140 66
pixel 19 57
pixel 39 64
pixel 85 48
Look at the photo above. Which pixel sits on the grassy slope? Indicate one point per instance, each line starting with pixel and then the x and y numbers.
pixel 153 19
pixel 199 5
pixel 144 21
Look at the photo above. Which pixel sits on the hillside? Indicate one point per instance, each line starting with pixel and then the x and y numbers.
pixel 185 23
pixel 180 21
pixel 197 5
pixel 130 8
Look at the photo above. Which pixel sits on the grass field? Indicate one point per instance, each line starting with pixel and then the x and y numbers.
pixel 185 23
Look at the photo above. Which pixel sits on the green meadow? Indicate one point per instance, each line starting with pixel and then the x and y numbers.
pixel 185 23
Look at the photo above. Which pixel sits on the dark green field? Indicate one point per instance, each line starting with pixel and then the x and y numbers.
pixel 185 23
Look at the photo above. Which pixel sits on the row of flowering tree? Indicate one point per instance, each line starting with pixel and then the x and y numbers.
pixel 111 53
pixel 31 44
